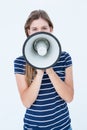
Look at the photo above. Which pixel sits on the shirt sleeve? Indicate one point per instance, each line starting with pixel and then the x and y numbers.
pixel 19 66
pixel 68 60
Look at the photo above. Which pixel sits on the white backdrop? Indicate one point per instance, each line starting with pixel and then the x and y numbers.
pixel 70 27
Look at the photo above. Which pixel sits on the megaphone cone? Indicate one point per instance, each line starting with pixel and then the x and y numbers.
pixel 41 50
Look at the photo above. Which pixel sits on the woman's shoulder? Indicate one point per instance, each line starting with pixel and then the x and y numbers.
pixel 65 53
pixel 19 65
pixel 65 58
pixel 20 59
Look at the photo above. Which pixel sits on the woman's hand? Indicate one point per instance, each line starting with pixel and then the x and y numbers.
pixel 40 72
pixel 49 71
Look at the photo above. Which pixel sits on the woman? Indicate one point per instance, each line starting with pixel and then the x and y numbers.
pixel 44 94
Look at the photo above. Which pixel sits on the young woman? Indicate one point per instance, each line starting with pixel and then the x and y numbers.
pixel 45 94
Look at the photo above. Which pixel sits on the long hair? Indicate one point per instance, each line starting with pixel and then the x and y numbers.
pixel 34 15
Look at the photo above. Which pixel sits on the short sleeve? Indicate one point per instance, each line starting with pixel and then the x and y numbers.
pixel 19 65
pixel 68 60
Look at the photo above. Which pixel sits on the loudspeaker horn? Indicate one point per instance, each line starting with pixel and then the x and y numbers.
pixel 41 50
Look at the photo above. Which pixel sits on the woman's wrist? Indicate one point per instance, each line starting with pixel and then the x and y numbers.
pixel 49 71
pixel 40 73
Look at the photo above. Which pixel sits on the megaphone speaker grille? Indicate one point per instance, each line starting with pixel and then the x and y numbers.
pixel 41 50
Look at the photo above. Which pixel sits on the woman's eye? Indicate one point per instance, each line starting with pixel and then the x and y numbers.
pixel 34 29
pixel 44 28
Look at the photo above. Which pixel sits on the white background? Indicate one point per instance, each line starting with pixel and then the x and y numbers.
pixel 70 27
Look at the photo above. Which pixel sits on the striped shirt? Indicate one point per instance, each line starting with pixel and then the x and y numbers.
pixel 49 111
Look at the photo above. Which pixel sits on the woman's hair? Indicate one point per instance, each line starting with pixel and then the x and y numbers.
pixel 34 15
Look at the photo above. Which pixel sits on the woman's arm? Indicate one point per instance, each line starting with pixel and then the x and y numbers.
pixel 64 88
pixel 29 94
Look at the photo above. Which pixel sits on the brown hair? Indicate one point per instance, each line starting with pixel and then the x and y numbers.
pixel 36 14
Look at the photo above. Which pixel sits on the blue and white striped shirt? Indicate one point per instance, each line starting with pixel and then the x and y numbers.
pixel 49 111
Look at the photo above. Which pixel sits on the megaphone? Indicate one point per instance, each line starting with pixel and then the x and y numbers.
pixel 41 50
